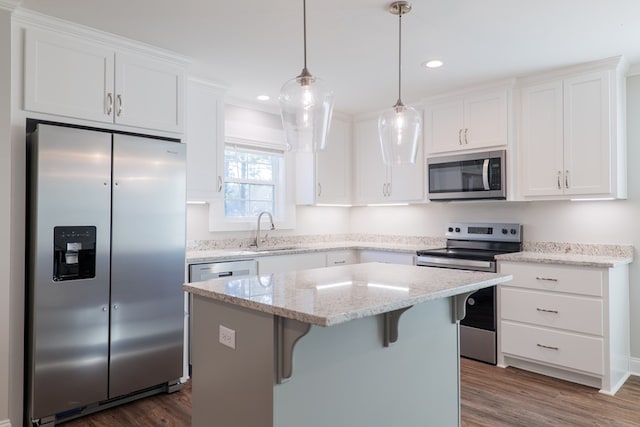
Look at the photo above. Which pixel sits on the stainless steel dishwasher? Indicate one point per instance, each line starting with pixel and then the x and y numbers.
pixel 214 270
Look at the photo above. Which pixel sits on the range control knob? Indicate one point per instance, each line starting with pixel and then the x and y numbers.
pixel 450 229
pixel 505 231
pixel 513 231
pixel 457 229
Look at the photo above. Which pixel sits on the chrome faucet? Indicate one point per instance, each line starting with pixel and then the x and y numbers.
pixel 273 227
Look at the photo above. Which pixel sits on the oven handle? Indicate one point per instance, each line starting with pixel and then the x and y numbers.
pixel 485 174
pixel 464 264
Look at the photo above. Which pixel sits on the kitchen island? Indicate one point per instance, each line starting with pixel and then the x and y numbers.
pixel 365 344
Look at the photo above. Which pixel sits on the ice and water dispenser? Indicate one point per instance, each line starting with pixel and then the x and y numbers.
pixel 74 253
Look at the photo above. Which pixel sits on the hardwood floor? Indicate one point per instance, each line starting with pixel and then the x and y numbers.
pixel 491 397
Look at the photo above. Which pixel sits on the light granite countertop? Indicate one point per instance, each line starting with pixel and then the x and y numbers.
pixel 214 255
pixel 582 260
pixel 333 295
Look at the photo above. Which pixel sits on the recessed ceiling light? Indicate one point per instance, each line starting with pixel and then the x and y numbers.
pixel 434 63
pixel 263 97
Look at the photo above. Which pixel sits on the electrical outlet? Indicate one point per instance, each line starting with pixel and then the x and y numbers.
pixel 227 337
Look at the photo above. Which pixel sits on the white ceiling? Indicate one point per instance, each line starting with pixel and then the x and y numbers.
pixel 254 46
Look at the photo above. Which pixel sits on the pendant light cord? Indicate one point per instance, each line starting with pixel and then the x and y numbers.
pixel 399 103
pixel 304 30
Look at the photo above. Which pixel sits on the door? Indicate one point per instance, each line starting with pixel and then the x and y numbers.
pixel 148 93
pixel 587 134
pixel 372 177
pixel 68 77
pixel 147 269
pixel 444 126
pixel 68 317
pixel 541 156
pixel 485 120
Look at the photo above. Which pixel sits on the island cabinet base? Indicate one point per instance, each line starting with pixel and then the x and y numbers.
pixel 342 375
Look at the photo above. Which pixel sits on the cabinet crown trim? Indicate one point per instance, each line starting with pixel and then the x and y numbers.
pixel 33 19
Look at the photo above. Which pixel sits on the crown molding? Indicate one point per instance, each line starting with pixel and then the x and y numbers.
pixel 34 19
pixel 9 5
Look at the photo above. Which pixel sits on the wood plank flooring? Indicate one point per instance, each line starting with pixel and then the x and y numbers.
pixel 491 397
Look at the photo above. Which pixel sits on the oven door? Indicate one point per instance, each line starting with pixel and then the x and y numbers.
pixel 467 176
pixel 478 328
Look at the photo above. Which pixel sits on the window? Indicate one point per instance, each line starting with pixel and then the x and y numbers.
pixel 251 181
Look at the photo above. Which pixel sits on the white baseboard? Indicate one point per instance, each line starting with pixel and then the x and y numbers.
pixel 634 366
pixel 5 423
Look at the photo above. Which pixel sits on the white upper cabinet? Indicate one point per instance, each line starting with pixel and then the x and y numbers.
pixel 572 142
pixel 377 182
pixel 148 93
pixel 465 122
pixel 325 177
pixel 204 135
pixel 69 76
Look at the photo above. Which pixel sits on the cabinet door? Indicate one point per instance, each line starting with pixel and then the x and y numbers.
pixel 68 77
pixel 371 172
pixel 485 120
pixel 285 263
pixel 148 93
pixel 407 181
pixel 204 138
pixel 387 257
pixel 587 134
pixel 541 154
pixel 443 126
pixel 333 165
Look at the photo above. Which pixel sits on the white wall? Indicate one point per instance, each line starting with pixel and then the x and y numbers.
pixel 5 214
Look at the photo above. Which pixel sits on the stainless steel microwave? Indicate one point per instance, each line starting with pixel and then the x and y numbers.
pixel 468 176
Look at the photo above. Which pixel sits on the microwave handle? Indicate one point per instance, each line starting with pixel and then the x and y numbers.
pixel 485 174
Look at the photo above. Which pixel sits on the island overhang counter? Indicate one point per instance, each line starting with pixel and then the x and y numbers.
pixel 364 344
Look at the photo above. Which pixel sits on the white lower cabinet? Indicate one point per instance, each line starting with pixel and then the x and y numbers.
pixel 570 322
pixel 283 263
pixel 388 257
pixel 341 258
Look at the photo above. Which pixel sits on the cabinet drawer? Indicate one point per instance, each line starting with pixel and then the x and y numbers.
pixel 341 258
pixel 573 313
pixel 558 278
pixel 558 348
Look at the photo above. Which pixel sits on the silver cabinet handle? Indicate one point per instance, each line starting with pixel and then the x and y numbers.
pixel 548 347
pixel 219 183
pixel 460 136
pixel 120 104
pixel 109 103
pixel 384 189
pixel 544 310
pixel 466 130
pixel 104 308
pixel 339 262
pixel 559 184
pixel 566 179
pixel 548 279
pixel 389 189
pixel 319 189
pixel 116 306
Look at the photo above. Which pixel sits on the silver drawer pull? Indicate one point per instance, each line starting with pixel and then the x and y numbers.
pixel 548 279
pixel 548 347
pixel 544 310
pixel 340 262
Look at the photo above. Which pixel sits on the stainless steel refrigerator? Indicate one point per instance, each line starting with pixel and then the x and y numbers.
pixel 105 265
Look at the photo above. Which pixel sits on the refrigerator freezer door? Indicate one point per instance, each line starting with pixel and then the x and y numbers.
pixel 68 320
pixel 147 270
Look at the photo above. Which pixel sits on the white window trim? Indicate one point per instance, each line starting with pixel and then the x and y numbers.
pixel 285 218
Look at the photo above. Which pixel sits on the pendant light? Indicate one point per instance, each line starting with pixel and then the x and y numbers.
pixel 400 126
pixel 306 104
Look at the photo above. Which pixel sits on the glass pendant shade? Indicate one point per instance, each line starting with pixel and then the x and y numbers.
pixel 306 104
pixel 399 129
